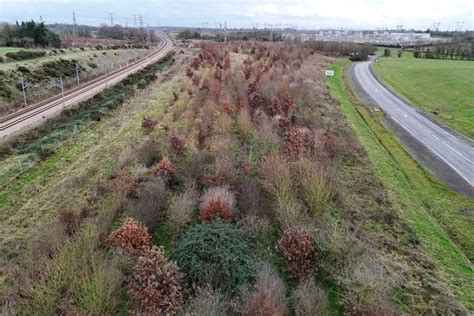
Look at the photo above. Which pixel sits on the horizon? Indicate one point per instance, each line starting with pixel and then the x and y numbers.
pixel 302 14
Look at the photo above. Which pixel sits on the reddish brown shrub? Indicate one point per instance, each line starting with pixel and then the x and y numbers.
pixel 294 142
pixel 70 221
pixel 178 143
pixel 189 72
pixel 330 143
pixel 163 167
pixel 122 183
pixel 214 208
pixel 149 123
pixel 283 125
pixel 299 253
pixel 297 140
pixel 287 103
pixel 132 237
pixel 156 284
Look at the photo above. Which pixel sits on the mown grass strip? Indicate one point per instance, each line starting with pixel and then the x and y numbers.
pixel 413 194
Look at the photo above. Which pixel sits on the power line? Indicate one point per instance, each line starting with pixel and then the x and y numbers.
pixel 74 25
pixel 111 18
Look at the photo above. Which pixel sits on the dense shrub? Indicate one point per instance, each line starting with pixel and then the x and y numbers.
pixel 25 54
pixel 163 168
pixel 217 202
pixel 178 143
pixel 132 237
pixel 215 208
pixel 122 183
pixel 309 299
pixel 297 141
pixel 218 254
pixel 61 67
pixel 149 123
pixel 156 284
pixel 298 251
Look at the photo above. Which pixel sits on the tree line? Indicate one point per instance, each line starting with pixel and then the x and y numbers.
pixel 459 51
pixel 28 34
pixel 354 51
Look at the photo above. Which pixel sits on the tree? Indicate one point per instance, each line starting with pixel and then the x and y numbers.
pixel 387 52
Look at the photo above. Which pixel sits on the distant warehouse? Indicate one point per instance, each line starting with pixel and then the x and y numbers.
pixel 410 36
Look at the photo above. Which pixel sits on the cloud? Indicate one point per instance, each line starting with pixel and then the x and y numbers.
pixel 305 13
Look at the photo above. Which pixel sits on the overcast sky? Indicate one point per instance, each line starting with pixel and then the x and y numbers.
pixel 419 14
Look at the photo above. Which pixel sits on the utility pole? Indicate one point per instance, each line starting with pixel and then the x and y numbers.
pixel 140 19
pixel 111 18
pixel 148 36
pixel 77 73
pixel 126 22
pixel 62 89
pixel 225 32
pixel 459 24
pixel 74 25
pixel 23 87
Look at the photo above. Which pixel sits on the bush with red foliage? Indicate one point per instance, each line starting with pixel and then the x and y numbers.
pixel 149 123
pixel 214 208
pixel 299 252
pixel 330 143
pixel 122 183
pixel 163 168
pixel 131 237
pixel 157 284
pixel 189 72
pixel 296 141
pixel 178 143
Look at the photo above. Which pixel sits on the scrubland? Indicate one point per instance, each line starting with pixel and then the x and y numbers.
pixel 234 185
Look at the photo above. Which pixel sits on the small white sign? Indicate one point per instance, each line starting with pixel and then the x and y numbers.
pixel 329 73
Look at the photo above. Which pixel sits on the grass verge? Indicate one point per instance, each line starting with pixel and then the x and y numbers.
pixel 430 208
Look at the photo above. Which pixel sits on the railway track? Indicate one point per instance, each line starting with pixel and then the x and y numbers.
pixel 29 116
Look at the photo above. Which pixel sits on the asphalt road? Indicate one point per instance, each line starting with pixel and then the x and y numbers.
pixel 455 154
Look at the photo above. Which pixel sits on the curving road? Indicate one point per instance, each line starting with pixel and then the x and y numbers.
pixel 34 115
pixel 450 150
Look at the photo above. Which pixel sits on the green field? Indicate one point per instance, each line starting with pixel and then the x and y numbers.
pixel 444 89
pixel 4 50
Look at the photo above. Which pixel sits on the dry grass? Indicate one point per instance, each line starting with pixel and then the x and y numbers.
pixel 181 209
pixel 149 207
pixel 268 298
pixel 315 183
pixel 309 300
